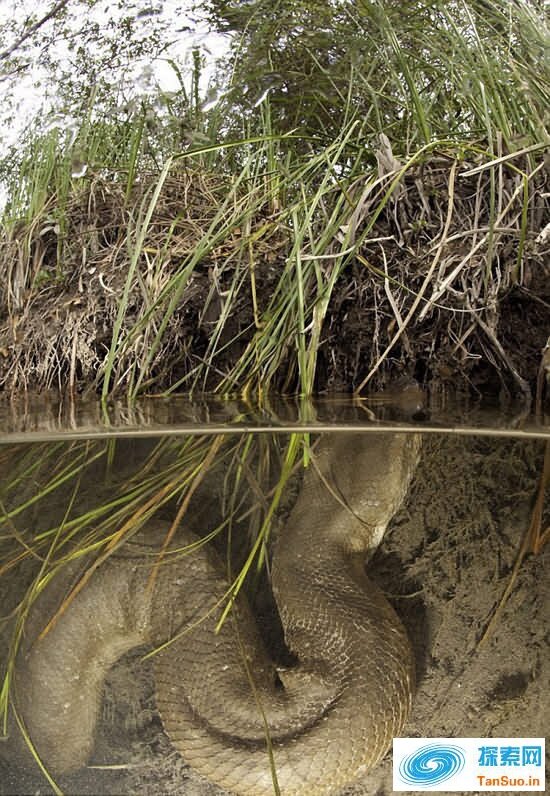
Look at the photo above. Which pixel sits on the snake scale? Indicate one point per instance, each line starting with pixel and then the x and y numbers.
pixel 331 717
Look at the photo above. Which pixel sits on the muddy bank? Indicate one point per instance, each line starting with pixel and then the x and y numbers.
pixel 407 285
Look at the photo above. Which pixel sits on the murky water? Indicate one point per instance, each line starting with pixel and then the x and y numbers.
pixel 445 563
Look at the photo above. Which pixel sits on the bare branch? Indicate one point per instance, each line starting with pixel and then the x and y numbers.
pixel 32 29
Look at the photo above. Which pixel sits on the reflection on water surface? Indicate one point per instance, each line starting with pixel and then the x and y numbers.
pixel 36 418
pixel 444 563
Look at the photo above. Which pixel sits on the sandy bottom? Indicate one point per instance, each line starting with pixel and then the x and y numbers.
pixel 445 563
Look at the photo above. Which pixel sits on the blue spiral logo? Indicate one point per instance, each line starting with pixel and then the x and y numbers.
pixel 431 765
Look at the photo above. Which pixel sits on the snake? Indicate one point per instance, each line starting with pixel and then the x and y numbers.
pixel 249 724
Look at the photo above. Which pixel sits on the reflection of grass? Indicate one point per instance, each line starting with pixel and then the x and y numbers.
pixel 67 477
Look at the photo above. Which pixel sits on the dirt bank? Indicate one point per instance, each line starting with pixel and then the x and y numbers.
pixel 221 291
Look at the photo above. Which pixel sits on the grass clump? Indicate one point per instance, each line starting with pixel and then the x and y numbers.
pixel 385 217
pixel 296 279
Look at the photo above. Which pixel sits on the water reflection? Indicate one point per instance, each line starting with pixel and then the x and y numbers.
pixel 32 418
pixel 444 562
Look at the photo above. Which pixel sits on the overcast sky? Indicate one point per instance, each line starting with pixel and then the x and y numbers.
pixel 35 96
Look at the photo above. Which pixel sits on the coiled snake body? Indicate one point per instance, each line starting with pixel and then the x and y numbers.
pixel 330 718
